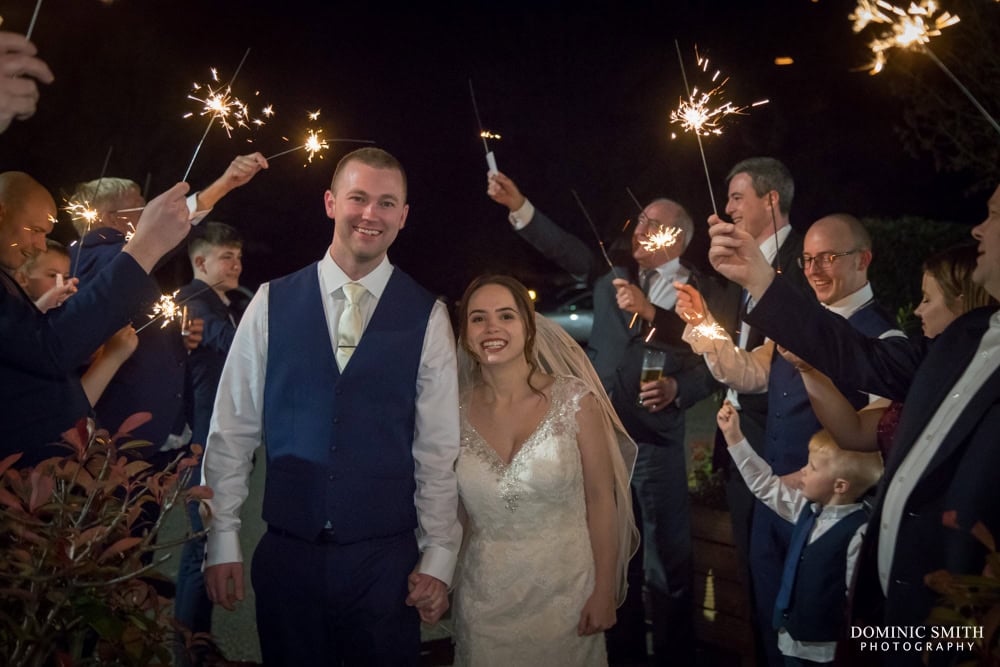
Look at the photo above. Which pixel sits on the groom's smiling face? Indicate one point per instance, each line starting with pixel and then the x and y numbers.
pixel 368 206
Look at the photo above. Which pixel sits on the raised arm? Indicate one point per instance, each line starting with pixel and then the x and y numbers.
pixel 851 429
pixel 559 246
pixel 20 71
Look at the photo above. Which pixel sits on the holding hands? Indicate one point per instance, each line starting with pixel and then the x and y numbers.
pixel 504 191
pixel 429 595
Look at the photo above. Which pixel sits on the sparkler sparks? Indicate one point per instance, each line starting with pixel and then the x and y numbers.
pixel 220 104
pixel 664 237
pixel 907 28
pixel 710 330
pixel 314 144
pixel 165 309
pixel 699 113
pixel 486 134
pixel 82 211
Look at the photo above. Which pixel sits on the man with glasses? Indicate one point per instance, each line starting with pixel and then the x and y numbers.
pixel 836 254
pixel 653 413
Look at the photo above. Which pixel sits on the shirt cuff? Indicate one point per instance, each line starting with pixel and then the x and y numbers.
pixel 439 563
pixel 520 218
pixel 223 547
pixel 194 215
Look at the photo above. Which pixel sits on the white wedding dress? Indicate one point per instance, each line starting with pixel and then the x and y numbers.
pixel 527 568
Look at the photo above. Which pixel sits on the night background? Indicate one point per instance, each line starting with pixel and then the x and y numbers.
pixel 581 94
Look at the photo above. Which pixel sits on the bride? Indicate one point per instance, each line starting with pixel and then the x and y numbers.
pixel 543 480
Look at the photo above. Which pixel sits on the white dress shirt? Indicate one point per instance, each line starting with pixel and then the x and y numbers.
pixel 788 503
pixel 236 426
pixel 984 363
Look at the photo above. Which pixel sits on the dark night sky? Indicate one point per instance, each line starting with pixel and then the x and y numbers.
pixel 580 93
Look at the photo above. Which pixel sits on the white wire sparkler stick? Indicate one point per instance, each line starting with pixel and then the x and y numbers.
pixel 34 17
pixel 212 118
pixel 701 148
pixel 491 160
pixel 88 213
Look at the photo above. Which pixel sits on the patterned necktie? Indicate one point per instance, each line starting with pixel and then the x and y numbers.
pixel 350 324
pixel 799 540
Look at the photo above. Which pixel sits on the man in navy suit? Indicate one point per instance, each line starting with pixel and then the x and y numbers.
pixel 653 413
pixel 40 391
pixel 346 370
pixel 941 475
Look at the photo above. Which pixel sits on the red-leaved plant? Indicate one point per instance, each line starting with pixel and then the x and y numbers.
pixel 77 552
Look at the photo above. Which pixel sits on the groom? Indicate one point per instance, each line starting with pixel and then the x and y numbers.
pixel 346 370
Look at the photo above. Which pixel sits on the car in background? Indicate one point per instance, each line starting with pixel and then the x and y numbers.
pixel 572 308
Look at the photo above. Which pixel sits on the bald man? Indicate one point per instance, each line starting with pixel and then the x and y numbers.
pixel 40 393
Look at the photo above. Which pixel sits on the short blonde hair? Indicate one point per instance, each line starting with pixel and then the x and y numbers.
pixel 862 470
pixel 103 199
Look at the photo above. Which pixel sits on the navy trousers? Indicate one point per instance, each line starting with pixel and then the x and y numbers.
pixel 769 539
pixel 334 604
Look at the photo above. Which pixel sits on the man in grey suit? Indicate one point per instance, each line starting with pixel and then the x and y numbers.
pixel 653 412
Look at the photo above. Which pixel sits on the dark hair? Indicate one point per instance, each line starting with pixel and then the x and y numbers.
pixel 373 157
pixel 525 307
pixel 952 269
pixel 213 234
pixel 768 174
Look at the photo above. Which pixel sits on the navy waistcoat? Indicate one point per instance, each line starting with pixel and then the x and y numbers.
pixel 339 445
pixel 817 611
pixel 790 418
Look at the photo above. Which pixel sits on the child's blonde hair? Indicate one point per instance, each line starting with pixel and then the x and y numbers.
pixel 862 470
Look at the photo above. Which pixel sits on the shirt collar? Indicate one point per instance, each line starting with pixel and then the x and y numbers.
pixel 332 278
pixel 769 248
pixel 669 269
pixel 852 303
pixel 835 512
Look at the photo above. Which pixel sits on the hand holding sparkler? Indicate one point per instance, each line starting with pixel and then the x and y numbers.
pixel 55 297
pixel 736 255
pixel 239 172
pixel 192 331
pixel 162 226
pixel 690 304
pixel 504 191
pixel 631 299
pixel 20 71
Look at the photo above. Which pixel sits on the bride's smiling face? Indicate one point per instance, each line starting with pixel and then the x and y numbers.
pixel 494 327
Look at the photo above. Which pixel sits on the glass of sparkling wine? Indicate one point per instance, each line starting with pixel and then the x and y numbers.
pixel 652 367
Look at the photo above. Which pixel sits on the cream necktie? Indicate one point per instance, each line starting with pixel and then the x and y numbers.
pixel 350 324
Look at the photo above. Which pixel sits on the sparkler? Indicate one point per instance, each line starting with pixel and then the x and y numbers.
pixel 710 330
pixel 169 310
pixel 314 145
pixel 664 237
pixel 911 28
pixel 491 160
pixel 218 104
pixel 696 114
pixel 82 210
pixel 34 17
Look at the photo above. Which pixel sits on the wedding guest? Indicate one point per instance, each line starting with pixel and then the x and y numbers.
pixel 948 292
pixel 829 522
pixel 45 276
pixel 836 256
pixel 20 72
pixel 944 457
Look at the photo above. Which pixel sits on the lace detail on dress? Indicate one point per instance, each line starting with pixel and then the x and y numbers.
pixel 527 567
pixel 552 424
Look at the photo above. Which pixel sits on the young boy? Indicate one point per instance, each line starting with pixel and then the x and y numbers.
pixel 47 275
pixel 829 525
